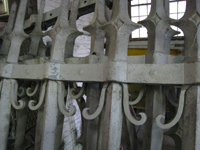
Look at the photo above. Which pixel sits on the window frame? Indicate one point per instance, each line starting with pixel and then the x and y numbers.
pixel 146 38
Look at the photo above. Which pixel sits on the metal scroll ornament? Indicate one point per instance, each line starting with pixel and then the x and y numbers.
pixel 179 111
pixel 126 104
pixel 18 105
pixel 61 96
pixel 32 103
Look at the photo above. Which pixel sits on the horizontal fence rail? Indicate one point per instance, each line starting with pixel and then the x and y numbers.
pixel 38 82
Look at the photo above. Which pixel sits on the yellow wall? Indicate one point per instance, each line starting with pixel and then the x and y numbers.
pixel 133 51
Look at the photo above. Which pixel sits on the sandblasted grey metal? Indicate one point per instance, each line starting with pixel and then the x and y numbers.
pixel 112 123
pixel 29 91
pixel 88 116
pixel 39 128
pixel 5 111
pixel 79 94
pixel 107 70
pixel 190 120
pixel 53 119
pixel 118 30
pixel 95 30
pixel 189 24
pixel 18 105
pixel 61 95
pixel 37 34
pixel 18 35
pixel 64 32
pixel 40 104
pixel 160 34
pixel 127 109
pixel 140 96
pixel 91 127
pixel 21 127
pixel 179 111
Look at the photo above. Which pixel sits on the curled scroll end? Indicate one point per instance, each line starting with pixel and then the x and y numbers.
pixel 65 112
pixel 21 91
pixel 159 123
pixel 143 118
pixel 21 104
pixel 79 95
pixel 72 110
pixel 61 103
pixel 85 113
pixel 32 103
pixel 179 111
pixel 29 90
pixel 140 96
pixel 87 116
pixel 18 105
pixel 127 108
pixel 135 121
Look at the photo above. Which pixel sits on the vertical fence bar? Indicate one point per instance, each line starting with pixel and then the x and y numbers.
pixel 91 127
pixel 5 112
pixel 155 105
pixel 113 117
pixel 53 119
pixel 90 131
pixel 159 37
pixel 21 128
pixel 18 35
pixel 189 24
pixel 39 127
pixel 190 119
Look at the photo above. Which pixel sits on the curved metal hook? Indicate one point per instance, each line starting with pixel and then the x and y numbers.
pixel 29 90
pixel 140 96
pixel 85 113
pixel 61 104
pixel 16 104
pixel 127 110
pixel 179 111
pixel 79 95
pixel 21 91
pixel 32 103
pixel 171 96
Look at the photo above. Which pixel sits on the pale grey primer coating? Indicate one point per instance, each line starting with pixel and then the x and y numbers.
pixel 114 68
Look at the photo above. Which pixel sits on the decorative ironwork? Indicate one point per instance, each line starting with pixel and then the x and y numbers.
pixel 178 114
pixel 88 116
pixel 140 96
pixel 61 104
pixel 73 92
pixel 32 103
pixel 111 68
pixel 21 104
